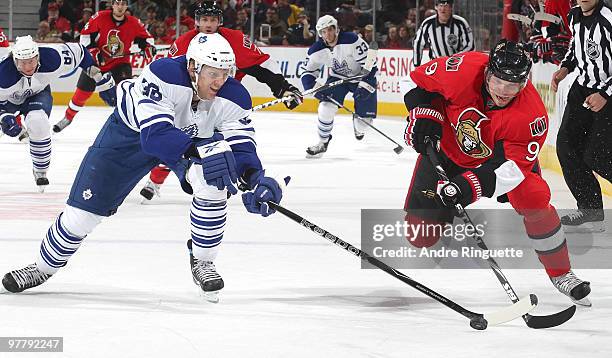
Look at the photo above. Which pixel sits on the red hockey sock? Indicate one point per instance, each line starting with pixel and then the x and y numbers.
pixel 77 102
pixel 544 228
pixel 556 263
pixel 159 174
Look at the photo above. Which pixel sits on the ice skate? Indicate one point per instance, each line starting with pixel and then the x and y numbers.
pixel 205 275
pixel 584 221
pixel 149 191
pixel 317 150
pixel 41 180
pixel 19 280
pixel 360 126
pixel 59 126
pixel 573 287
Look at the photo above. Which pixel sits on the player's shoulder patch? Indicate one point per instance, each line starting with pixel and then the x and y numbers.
pixel 50 59
pixel 172 70
pixel 10 75
pixel 317 46
pixel 234 91
pixel 347 38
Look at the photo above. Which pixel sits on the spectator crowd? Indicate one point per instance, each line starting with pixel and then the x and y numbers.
pixel 277 22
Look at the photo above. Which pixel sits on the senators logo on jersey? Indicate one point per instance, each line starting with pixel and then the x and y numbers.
pixel 468 133
pixel 114 46
pixel 538 126
pixel 453 63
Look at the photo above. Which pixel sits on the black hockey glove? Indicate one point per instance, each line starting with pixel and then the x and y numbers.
pixel 290 90
pixel 463 189
pixel 423 122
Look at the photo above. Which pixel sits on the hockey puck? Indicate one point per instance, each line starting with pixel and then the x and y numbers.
pixel 478 323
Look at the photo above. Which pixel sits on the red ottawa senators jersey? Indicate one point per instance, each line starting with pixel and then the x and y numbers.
pixel 473 124
pixel 559 8
pixel 101 32
pixel 3 39
pixel 247 53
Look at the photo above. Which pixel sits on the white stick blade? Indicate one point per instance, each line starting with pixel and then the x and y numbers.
pixel 509 313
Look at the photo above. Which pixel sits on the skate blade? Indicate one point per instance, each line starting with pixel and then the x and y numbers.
pixel 314 156
pixel 590 227
pixel 41 188
pixel 210 296
pixel 145 201
pixel 584 302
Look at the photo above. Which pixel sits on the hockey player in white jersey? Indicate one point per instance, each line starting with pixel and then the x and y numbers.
pixel 25 76
pixel 180 110
pixel 344 54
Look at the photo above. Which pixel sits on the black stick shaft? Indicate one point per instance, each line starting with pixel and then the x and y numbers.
pixel 433 157
pixel 374 261
pixel 362 121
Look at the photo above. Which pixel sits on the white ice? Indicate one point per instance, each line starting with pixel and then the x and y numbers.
pixel 128 291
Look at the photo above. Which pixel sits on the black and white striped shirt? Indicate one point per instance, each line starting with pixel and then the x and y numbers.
pixel 442 39
pixel 591 50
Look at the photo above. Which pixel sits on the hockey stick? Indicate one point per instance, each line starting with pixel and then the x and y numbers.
pixel 305 93
pixel 532 321
pixel 397 149
pixel 478 321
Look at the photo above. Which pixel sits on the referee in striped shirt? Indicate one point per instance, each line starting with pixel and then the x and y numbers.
pixel 445 34
pixel 584 142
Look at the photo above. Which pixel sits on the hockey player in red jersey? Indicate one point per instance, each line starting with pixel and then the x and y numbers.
pixel 3 39
pixel 249 61
pixel 550 41
pixel 491 124
pixel 108 36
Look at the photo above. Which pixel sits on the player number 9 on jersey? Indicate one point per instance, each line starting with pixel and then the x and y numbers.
pixel 534 149
pixel 151 90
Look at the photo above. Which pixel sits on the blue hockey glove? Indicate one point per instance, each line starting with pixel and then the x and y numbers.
pixel 266 189
pixel 218 163
pixel 108 90
pixel 323 94
pixel 10 127
pixel 366 87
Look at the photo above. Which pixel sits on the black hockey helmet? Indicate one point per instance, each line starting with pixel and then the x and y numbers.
pixel 208 8
pixel 509 61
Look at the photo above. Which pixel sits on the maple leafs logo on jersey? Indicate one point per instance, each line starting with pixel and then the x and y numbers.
pixel 341 68
pixel 191 130
pixel 20 96
pixel 468 134
pixel 114 46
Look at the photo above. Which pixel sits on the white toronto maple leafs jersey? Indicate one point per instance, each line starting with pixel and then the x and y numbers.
pixel 346 59
pixel 163 94
pixel 55 62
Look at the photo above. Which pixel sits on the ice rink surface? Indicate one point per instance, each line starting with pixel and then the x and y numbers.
pixel 128 291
